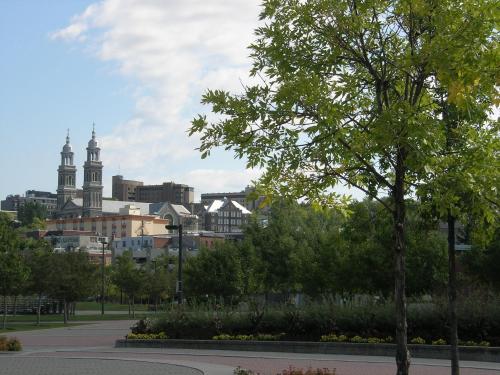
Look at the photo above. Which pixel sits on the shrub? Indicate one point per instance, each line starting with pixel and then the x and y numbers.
pixel 417 340
pixel 147 336
pixel 313 322
pixel 333 338
pixel 142 326
pixel 358 339
pixel 257 337
pixel 11 345
pixel 14 345
pixel 310 371
pixel 240 371
pixel 439 342
pixel 484 343
pixel 3 344
pixel 222 337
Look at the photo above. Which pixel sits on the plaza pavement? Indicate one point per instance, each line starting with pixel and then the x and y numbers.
pixel 89 350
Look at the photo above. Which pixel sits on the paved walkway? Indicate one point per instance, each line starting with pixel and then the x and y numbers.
pixel 89 350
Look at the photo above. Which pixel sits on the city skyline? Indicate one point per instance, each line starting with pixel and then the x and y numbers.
pixel 135 69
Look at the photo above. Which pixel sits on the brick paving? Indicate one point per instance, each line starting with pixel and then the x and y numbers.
pixel 64 366
pixel 89 346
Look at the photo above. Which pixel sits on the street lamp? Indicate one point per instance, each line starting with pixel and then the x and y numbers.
pixel 179 273
pixel 104 242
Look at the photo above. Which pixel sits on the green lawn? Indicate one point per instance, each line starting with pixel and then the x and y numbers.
pixel 59 317
pixel 17 327
pixel 96 306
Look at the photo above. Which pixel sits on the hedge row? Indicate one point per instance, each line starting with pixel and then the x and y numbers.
pixel 425 320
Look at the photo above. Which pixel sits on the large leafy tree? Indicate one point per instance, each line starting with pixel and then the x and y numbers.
pixel 13 270
pixel 215 272
pixel 129 278
pixel 72 279
pixel 347 97
pixel 38 255
pixel 482 262
pixel 32 214
pixel 160 283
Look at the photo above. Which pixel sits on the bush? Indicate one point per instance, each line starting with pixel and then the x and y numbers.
pixel 290 371
pixel 14 345
pixel 142 326
pixel 240 371
pixel 147 336
pixel 11 345
pixel 358 339
pixel 315 322
pixel 3 343
pixel 439 342
pixel 309 371
pixel 334 338
pixel 417 341
pixel 257 337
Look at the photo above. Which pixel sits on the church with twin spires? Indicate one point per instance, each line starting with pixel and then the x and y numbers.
pixel 68 205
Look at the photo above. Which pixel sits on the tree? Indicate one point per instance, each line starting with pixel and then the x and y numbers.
pixel 160 282
pixel 367 234
pixel 73 278
pixel 215 272
pixel 9 238
pixel 129 278
pixel 274 246
pixel 13 270
pixel 32 214
pixel 347 97
pixel 465 174
pixel 482 262
pixel 38 259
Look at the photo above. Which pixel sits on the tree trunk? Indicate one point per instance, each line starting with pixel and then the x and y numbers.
pixel 133 307
pixel 65 312
pixel 129 305
pixel 402 353
pixel 38 309
pixel 4 325
pixel 452 297
pixel 15 306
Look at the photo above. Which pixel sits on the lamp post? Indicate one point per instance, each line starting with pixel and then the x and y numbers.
pixel 179 273
pixel 103 241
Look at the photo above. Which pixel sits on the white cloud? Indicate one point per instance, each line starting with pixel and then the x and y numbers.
pixel 174 50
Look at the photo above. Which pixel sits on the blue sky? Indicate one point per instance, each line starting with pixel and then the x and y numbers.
pixel 135 68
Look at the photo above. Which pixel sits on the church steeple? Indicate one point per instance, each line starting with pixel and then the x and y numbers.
pixel 66 188
pixel 92 181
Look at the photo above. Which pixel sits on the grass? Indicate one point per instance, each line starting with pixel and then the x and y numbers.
pixel 96 306
pixel 31 318
pixel 18 327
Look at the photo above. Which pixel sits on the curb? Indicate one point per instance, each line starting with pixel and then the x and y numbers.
pixel 467 353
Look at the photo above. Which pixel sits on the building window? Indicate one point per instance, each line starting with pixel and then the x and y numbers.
pixel 124 244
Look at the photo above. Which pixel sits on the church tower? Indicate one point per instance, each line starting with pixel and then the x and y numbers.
pixel 66 188
pixel 92 180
